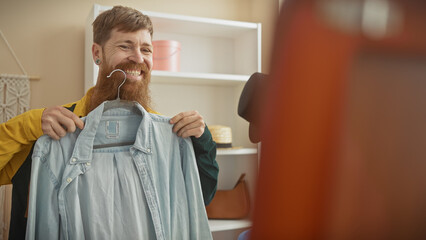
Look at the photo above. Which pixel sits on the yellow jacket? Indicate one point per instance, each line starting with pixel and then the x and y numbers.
pixel 16 139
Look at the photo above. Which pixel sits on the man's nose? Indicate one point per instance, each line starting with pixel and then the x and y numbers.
pixel 136 56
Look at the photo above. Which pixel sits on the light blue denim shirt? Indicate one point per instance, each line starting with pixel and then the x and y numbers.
pixel 126 175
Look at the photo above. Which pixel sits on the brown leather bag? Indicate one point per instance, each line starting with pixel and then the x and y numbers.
pixel 230 204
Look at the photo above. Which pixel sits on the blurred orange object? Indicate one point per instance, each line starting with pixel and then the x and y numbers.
pixel 344 129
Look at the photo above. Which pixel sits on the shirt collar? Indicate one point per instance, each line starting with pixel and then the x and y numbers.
pixel 84 144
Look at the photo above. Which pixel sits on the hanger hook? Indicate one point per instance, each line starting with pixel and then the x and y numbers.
pixel 125 77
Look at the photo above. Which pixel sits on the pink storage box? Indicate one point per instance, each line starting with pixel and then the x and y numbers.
pixel 166 55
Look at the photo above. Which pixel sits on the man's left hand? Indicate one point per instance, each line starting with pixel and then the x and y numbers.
pixel 187 124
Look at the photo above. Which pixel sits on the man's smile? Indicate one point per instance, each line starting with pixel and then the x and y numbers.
pixel 133 72
pixel 134 75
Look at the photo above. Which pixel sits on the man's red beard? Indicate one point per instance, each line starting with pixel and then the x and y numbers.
pixel 106 88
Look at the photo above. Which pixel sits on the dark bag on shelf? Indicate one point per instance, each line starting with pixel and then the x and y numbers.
pixel 230 204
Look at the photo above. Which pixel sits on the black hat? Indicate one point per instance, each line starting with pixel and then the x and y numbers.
pixel 249 105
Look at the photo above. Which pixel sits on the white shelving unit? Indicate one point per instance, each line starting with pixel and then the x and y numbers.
pixel 217 51
pixel 217 58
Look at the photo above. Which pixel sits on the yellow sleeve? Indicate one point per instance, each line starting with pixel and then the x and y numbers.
pixel 16 139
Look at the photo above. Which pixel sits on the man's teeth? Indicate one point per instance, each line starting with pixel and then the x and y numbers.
pixel 133 72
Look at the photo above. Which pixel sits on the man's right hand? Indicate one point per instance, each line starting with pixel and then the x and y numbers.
pixel 57 121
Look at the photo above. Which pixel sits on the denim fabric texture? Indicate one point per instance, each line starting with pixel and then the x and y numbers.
pixel 126 175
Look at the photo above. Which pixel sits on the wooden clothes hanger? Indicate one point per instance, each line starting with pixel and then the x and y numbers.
pixel 33 78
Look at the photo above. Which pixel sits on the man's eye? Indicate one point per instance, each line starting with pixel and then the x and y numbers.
pixel 146 50
pixel 124 47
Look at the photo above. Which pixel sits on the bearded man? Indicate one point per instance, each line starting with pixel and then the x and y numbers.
pixel 122 40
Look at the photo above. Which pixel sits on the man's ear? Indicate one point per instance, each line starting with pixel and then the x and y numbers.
pixel 96 52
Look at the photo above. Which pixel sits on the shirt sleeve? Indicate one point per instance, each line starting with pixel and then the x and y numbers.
pixel 16 139
pixel 205 153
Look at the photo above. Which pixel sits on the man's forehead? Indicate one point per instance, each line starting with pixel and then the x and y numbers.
pixel 139 35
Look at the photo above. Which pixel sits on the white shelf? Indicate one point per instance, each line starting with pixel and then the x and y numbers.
pixel 192 25
pixel 198 78
pixel 238 151
pixel 224 225
pixel 174 23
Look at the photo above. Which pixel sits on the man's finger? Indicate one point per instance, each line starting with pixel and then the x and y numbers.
pixel 185 121
pixel 196 132
pixel 77 121
pixel 188 127
pixel 181 115
pixel 49 132
pixel 57 129
pixel 66 123
pixel 177 118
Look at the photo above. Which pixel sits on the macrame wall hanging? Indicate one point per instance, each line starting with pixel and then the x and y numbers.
pixel 14 100
pixel 14 96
